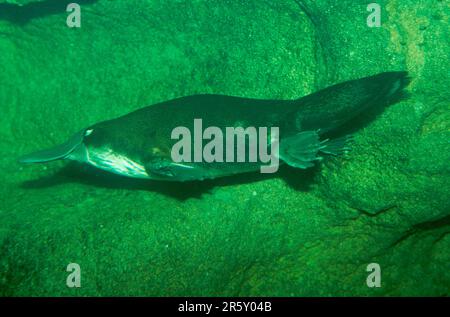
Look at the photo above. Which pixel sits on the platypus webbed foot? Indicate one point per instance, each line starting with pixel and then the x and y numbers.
pixel 302 149
pixel 337 146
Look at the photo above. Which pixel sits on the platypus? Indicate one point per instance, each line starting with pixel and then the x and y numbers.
pixel 140 144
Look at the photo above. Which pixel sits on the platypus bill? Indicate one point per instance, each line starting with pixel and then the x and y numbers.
pixel 139 144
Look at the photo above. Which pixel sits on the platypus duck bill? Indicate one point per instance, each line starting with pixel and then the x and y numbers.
pixel 76 150
pixel 62 151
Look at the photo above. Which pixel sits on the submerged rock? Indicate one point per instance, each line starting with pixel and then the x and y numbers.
pixel 304 233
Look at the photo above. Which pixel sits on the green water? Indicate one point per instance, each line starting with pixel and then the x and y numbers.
pixel 295 233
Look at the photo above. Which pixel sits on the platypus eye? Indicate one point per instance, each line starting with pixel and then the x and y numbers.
pixel 88 132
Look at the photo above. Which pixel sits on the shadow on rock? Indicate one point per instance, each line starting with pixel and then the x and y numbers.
pixel 83 174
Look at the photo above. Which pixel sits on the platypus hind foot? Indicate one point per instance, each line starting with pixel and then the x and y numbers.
pixel 301 149
pixel 337 146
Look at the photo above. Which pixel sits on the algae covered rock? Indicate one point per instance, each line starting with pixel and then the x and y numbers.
pixel 297 233
pixel 19 2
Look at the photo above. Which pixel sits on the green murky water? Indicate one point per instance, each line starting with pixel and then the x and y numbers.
pixel 295 233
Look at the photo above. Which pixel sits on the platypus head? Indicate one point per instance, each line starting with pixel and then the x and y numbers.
pixel 73 149
pixel 91 146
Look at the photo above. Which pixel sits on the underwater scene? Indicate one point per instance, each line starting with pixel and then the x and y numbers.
pixel 224 148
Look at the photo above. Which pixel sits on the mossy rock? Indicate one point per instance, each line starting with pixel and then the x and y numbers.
pixel 296 233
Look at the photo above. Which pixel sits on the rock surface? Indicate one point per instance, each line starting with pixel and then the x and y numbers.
pixel 299 233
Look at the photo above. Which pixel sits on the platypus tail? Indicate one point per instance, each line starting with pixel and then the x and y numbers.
pixel 332 107
pixel 320 116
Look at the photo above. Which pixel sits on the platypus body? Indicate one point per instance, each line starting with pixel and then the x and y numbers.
pixel 140 143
